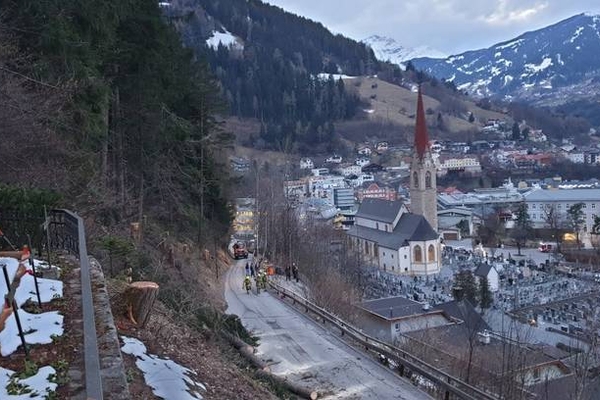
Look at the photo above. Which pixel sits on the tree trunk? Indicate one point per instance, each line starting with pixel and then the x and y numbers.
pixel 263 371
pixel 140 297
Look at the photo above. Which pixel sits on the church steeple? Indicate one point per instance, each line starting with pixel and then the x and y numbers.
pixel 421 136
pixel 423 190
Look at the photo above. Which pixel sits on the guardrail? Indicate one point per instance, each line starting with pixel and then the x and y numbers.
pixel 447 382
pixel 67 232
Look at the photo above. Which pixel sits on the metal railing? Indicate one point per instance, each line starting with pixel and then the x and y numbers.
pixel 448 383
pixel 67 232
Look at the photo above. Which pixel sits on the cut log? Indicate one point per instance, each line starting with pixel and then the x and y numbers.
pixel 17 254
pixel 301 391
pixel 139 299
pixel 264 371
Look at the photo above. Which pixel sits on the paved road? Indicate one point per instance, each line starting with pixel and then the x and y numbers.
pixel 306 353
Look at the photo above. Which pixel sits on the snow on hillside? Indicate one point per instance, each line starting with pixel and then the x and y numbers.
pixel 226 38
pixel 537 63
pixel 167 379
pixel 388 49
pixel 325 76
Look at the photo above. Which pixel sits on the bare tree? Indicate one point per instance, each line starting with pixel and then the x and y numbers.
pixel 554 222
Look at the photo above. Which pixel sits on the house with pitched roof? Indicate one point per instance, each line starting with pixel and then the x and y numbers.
pixel 389 237
pixel 489 272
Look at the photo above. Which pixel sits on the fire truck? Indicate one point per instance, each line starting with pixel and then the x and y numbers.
pixel 240 250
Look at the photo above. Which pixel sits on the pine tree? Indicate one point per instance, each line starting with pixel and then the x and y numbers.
pixel 516 132
pixel 485 294
pixel 465 287
pixel 522 228
pixel 576 220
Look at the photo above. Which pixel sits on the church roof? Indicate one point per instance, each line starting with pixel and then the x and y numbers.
pixel 379 210
pixel 421 136
pixel 411 227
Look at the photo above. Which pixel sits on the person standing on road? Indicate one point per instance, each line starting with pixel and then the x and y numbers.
pixel 247 284
pixel 288 273
pixel 247 268
pixel 295 272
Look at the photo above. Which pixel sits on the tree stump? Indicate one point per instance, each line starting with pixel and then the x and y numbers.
pixel 139 298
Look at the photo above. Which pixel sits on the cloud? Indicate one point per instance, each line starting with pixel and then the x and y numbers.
pixel 451 26
pixel 504 14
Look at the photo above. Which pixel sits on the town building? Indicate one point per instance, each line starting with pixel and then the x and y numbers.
pixel 350 169
pixel 453 223
pixel 466 164
pixel 539 201
pixel 388 318
pixel 244 219
pixel 372 190
pixel 343 198
pixel 306 163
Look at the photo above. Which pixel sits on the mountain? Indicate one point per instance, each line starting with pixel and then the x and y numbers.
pixel 548 66
pixel 270 64
pixel 388 49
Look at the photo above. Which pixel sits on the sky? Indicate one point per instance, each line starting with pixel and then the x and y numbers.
pixel 450 26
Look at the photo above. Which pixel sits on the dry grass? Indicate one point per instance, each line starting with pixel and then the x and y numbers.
pixel 395 104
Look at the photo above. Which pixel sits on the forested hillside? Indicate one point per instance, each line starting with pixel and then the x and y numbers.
pixel 271 72
pixel 105 105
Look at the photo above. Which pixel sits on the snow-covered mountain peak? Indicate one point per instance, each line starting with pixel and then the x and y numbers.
pixel 388 49
pixel 534 64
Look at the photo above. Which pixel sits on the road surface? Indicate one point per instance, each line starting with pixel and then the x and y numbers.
pixel 306 353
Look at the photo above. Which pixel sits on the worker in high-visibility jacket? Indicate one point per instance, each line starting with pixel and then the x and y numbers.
pixel 263 279
pixel 247 284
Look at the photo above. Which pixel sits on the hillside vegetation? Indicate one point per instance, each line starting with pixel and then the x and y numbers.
pixel 106 106
pixel 109 114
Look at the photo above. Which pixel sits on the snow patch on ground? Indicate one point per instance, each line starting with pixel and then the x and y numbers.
pixel 514 43
pixel 167 379
pixel 226 38
pixel 38 328
pixel 577 33
pixel 37 386
pixel 546 62
pixel 325 76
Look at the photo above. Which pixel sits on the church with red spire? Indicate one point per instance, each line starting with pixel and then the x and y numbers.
pixel 387 235
pixel 423 185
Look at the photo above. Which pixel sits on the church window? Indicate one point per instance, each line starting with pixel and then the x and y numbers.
pixel 366 247
pixel 428 180
pixel 375 250
pixel 431 253
pixel 416 179
pixel 418 255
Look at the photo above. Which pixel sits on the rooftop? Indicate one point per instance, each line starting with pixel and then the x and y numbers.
pixel 392 308
pixel 379 210
pixel 575 195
